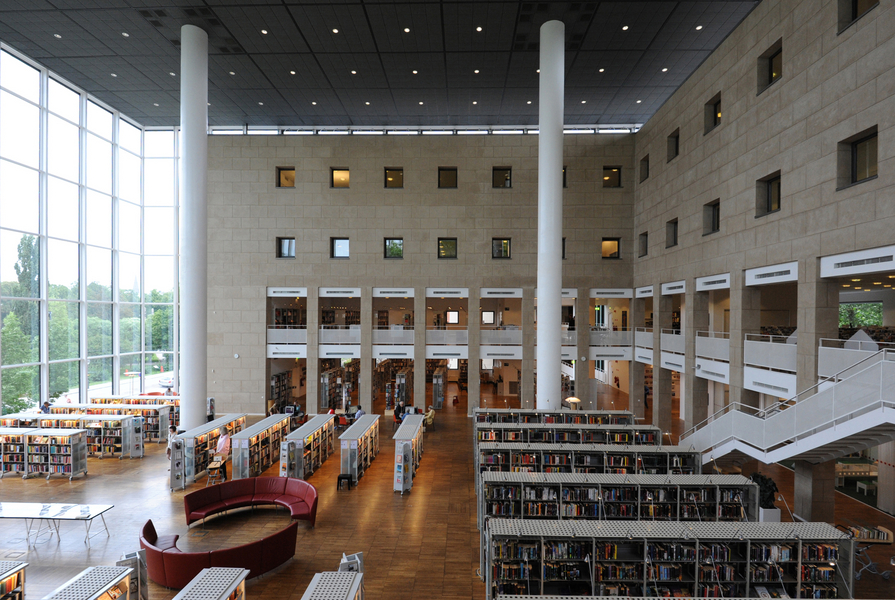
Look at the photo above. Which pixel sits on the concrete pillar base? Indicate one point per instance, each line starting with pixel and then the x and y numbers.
pixel 815 491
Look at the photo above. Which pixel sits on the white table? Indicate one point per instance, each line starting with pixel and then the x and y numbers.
pixel 51 514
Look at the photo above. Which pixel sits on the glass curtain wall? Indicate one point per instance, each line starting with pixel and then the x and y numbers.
pixel 87 255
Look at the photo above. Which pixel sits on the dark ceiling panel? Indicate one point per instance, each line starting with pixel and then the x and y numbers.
pixel 497 20
pixel 381 103
pixel 367 69
pixel 107 26
pixel 429 69
pixel 35 33
pixel 246 74
pixel 644 20
pixel 388 21
pixel 617 67
pixel 246 25
pixel 491 66
pixel 316 23
pixel 278 68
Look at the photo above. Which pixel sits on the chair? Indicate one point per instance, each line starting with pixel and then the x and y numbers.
pixel 216 470
pixel 397 421
pixel 343 422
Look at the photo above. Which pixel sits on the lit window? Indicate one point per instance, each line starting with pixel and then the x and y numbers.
pixel 501 177
pixel 394 248
pixel 713 113
pixel 394 177
pixel 338 247
pixel 285 247
pixel 447 247
pixel 500 247
pixel 864 159
pixel 612 177
pixel 340 178
pixel 447 177
pixel 286 177
pixel 611 248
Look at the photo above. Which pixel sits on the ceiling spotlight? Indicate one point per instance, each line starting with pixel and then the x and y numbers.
pixel 335 31
pixel 421 103
pixel 313 104
pixel 584 102
pixel 264 31
pixel 232 72
pixel 665 70
pixel 155 103
pixel 292 72
pixel 367 103
pixel 125 34
pixel 414 72
pixel 478 28
pixel 57 36
pixel 856 280
pixel 624 27
pixel 474 102
pixel 538 71
pixel 639 101
pixel 172 74
pixel 476 71
pixel 845 285
pixel 601 70
pixel 529 102
pixel 699 28
pixel 260 104
pixel 114 75
pixel 354 72
pixel 407 30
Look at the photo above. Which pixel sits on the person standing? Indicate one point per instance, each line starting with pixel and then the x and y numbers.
pixel 172 436
pixel 222 453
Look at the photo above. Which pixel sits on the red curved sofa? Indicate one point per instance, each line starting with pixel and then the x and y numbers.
pixel 299 496
pixel 170 567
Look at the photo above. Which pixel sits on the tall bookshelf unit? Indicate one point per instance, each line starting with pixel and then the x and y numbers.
pixel 577 417
pixel 667 559
pixel 568 433
pixel 257 447
pixel 281 390
pixel 330 390
pixel 216 583
pixel 408 451
pixel 56 452
pixel 404 381
pixel 156 417
pixel 96 583
pixel 306 448
pixel 12 450
pixel 359 445
pixel 12 580
pixel 172 401
pixel 201 442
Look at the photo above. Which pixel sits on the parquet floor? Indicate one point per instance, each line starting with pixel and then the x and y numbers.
pixel 420 546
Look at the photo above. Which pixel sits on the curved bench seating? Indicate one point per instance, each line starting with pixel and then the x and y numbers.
pixel 299 496
pixel 170 567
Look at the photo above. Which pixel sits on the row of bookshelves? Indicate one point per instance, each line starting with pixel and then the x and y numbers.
pixel 568 433
pixel 306 448
pixel 156 417
pixel 199 445
pixel 32 452
pixel 670 559
pixel 257 447
pixel 408 451
pixel 96 583
pixel 155 399
pixel 576 417
pixel 359 446
pixel 12 580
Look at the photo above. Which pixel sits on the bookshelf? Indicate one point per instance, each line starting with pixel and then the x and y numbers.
pixel 408 451
pixel 56 452
pixel 281 390
pixel 107 435
pixel 439 380
pixel 568 433
pixel 201 442
pixel 336 585
pixel 12 580
pixel 156 417
pixel 257 447
pixel 96 583
pixel 359 445
pixel 172 401
pixel 330 390
pixel 306 448
pixel 577 417
pixel 404 381
pixel 667 559
pixel 216 583
pixel 12 449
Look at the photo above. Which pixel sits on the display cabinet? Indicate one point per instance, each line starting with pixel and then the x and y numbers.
pixel 12 449
pixel 359 445
pixel 12 580
pixel 335 585
pixel 568 433
pixel 200 443
pixel 256 448
pixel 156 417
pixel 577 417
pixel 305 449
pixel 670 559
pixel 56 452
pixel 96 583
pixel 216 583
pixel 408 451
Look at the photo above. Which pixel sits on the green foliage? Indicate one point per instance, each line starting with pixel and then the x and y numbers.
pixel 860 314
pixel 20 386
pixel 394 249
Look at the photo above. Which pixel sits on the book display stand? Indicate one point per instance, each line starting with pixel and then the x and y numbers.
pixel 156 416
pixel 568 433
pixel 216 583
pixel 408 451
pixel 336 585
pixel 56 452
pixel 359 445
pixel 96 583
pixel 172 401
pixel 12 580
pixel 200 443
pixel 305 449
pixel 256 448
pixel 107 435
pixel 578 417
pixel 12 449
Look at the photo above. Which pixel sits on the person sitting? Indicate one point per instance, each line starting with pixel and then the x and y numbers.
pixel 45 409
pixel 360 412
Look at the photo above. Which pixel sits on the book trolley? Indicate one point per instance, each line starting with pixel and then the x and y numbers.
pixel 200 443
pixel 216 583
pixel 12 449
pixel 257 447
pixel 668 559
pixel 56 452
pixel 305 449
pixel 156 417
pixel 12 580
pixel 172 401
pixel 360 445
pixel 578 417
pixel 408 451
pixel 96 583
pixel 107 435
pixel 568 433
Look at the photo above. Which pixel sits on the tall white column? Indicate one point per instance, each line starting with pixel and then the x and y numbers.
pixel 551 96
pixel 193 225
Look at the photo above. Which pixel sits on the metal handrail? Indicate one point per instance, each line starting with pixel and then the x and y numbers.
pixel 610 330
pixel 784 404
pixel 671 331
pixel 393 327
pixel 281 326
pixel 837 343
pixel 725 335
pixel 772 339
pixel 644 329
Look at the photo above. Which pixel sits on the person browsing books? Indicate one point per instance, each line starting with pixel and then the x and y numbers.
pixel 223 452
pixel 172 434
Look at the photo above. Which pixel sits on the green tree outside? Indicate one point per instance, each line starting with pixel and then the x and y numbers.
pixel 860 314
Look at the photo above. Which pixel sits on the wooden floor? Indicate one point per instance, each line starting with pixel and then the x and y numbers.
pixel 422 545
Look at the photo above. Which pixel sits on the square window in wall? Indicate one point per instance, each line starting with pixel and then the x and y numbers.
pixel 502 177
pixel 394 177
pixel 713 113
pixel 864 159
pixel 711 217
pixel 447 247
pixel 447 177
pixel 500 247
pixel 285 247
pixel 674 144
pixel 671 233
pixel 852 10
pixel 612 177
pixel 643 241
pixel 286 177
pixel 767 194
pixel 611 248
pixel 644 168
pixel 770 65
pixel 394 248
pixel 339 178
pixel 338 247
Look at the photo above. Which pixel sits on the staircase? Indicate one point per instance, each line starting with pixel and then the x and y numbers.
pixel 848 412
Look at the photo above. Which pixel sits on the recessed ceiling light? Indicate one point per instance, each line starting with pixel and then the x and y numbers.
pixel 264 31
pixel 624 27
pixel 414 72
pixel 421 103
pixel 260 104
pixel 57 36
pixel 699 28
pixel 856 280
pixel 639 101
pixel 313 103
pixel 209 104
pixel 407 30
pixel 478 28
pixel 354 72
pixel 367 103
pixel 584 102
pixel 172 74
pixel 538 71
pixel 606 178
pixel 601 70
pixel 665 70
pixel 155 103
pixel 877 283
pixel 474 102
pixel 335 31
pixel 292 72
pixel 476 71
pixel 125 34
pixel 232 72
pixel 529 102
pixel 114 75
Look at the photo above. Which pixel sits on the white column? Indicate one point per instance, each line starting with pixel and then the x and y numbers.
pixel 552 92
pixel 193 225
